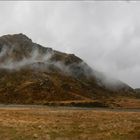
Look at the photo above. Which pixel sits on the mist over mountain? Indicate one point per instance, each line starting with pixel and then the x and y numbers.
pixel 31 73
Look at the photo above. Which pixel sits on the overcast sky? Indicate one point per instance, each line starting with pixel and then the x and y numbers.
pixel 104 34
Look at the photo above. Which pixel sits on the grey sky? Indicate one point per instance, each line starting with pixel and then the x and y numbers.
pixel 105 34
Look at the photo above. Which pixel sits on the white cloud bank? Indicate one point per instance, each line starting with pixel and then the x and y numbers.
pixel 105 34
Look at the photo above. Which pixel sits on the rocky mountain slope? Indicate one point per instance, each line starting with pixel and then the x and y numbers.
pixel 33 74
pixel 137 90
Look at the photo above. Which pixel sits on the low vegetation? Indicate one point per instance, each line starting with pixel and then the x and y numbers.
pixel 68 124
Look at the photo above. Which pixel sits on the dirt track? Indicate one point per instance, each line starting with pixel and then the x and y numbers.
pixel 19 107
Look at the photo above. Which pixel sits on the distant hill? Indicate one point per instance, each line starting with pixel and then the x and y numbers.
pixel 34 74
pixel 137 90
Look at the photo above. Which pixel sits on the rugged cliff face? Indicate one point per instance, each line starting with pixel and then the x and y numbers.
pixel 31 73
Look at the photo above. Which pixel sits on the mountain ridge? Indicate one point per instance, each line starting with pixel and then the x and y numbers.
pixel 31 73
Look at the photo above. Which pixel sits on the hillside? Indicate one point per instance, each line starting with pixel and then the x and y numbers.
pixel 33 74
pixel 137 90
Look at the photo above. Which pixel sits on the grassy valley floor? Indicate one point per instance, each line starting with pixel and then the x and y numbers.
pixel 62 123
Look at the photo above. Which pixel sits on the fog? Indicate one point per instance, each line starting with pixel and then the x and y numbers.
pixel 35 57
pixel 104 34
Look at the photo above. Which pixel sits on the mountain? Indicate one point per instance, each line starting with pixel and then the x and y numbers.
pixel 137 90
pixel 33 74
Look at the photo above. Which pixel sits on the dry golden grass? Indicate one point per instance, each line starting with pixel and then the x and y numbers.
pixel 68 124
pixel 128 102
